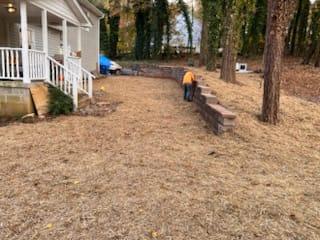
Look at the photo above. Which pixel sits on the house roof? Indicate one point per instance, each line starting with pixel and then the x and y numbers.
pixel 77 9
pixel 74 14
pixel 91 7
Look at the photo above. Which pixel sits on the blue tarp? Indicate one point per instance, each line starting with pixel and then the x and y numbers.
pixel 105 64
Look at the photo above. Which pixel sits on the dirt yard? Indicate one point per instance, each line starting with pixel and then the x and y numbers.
pixel 153 170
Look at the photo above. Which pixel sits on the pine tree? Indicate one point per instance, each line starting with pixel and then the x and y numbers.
pixel 279 15
pixel 313 35
pixel 185 11
pixel 142 12
pixel 254 40
pixel 214 12
pixel 231 36
pixel 160 22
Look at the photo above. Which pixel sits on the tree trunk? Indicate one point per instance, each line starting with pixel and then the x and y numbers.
pixel 314 37
pixel 317 56
pixel 214 33
pixel 303 26
pixel 140 35
pixel 257 29
pixel 114 22
pixel 104 36
pixel 279 14
pixel 204 42
pixel 288 39
pixel 310 52
pixel 229 57
pixel 228 67
pixel 295 28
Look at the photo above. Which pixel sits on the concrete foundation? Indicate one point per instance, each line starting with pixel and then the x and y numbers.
pixel 15 99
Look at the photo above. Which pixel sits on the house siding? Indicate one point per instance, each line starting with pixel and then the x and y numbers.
pixel 13 35
pixel 90 45
pixel 54 38
pixel 3 33
pixel 54 42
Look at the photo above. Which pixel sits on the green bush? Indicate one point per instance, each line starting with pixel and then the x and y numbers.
pixel 59 103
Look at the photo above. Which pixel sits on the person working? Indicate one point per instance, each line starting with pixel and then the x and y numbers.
pixel 188 83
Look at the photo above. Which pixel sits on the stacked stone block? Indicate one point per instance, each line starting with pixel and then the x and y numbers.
pixel 218 117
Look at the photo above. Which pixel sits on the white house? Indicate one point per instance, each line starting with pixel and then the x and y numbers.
pixel 52 41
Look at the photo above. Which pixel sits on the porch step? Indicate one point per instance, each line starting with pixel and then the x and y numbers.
pixel 83 101
pixel 40 97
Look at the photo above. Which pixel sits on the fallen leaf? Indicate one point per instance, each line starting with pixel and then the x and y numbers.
pixel 50 225
pixel 154 234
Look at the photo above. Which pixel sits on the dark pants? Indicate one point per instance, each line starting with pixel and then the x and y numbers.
pixel 188 92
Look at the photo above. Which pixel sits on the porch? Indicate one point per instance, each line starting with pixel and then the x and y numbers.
pixel 35 45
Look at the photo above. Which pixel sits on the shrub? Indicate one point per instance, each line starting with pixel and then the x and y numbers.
pixel 59 103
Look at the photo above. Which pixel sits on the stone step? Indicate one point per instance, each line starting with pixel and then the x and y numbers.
pixel 225 113
pixel 83 101
pixel 209 98
pixel 204 89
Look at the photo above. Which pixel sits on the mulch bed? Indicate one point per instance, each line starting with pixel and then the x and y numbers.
pixel 98 107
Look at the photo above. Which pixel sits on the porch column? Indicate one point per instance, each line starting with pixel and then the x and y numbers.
pixel 44 22
pixel 79 47
pixel 24 39
pixel 99 47
pixel 65 40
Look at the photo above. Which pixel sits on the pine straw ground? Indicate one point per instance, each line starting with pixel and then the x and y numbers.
pixel 153 170
pixel 297 79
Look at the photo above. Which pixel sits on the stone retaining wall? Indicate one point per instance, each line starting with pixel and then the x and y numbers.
pixel 218 117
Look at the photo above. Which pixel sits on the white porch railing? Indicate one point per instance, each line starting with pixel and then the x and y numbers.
pixel 10 63
pixel 85 77
pixel 74 64
pixel 37 65
pixel 64 79
pixel 70 78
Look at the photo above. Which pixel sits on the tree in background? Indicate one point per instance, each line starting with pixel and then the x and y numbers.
pixel 152 23
pixel 109 26
pixel 204 33
pixel 211 33
pixel 142 12
pixel 254 29
pixel 279 15
pixel 114 22
pixel 303 27
pixel 298 28
pixel 104 36
pixel 160 25
pixel 313 49
pixel 230 40
pixel 186 14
